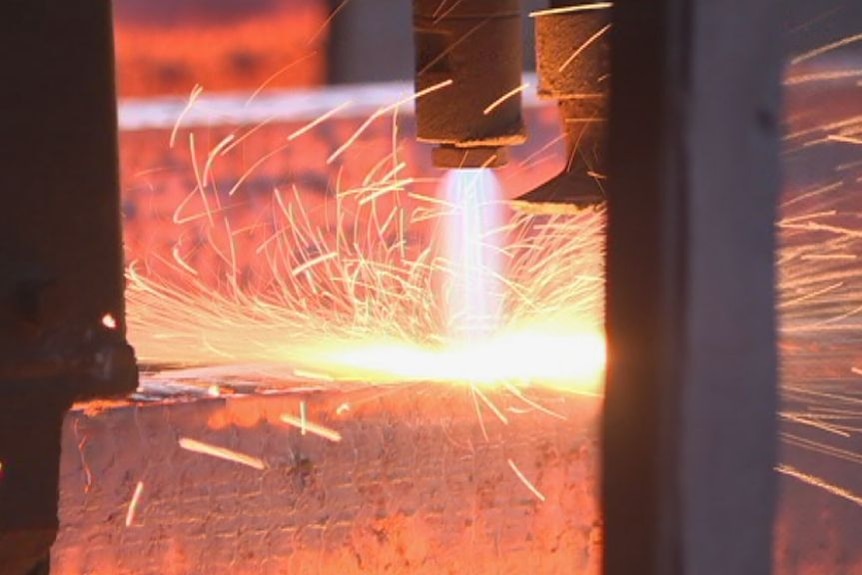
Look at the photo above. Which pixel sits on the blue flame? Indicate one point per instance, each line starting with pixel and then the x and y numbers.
pixel 474 293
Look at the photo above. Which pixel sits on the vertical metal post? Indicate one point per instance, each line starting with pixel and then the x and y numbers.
pixel 62 332
pixel 689 426
pixel 370 41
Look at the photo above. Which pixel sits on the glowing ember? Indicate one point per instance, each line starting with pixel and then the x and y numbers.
pixel 109 322
pixel 819 483
pixel 539 495
pixel 527 356
pixel 308 426
pixel 221 453
pixel 133 504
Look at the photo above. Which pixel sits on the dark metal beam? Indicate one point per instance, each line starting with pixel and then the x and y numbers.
pixel 61 258
pixel 689 428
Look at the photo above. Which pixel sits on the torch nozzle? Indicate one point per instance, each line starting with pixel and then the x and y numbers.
pixel 573 62
pixel 568 192
pixel 453 157
pixel 476 46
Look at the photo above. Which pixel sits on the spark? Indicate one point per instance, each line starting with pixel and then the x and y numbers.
pixel 819 483
pixel 808 421
pixel 442 5
pixel 278 73
pixel 367 313
pixel 309 426
pixel 527 483
pixel 133 504
pixel 326 22
pixel 201 187
pixel 82 443
pixel 821 77
pixel 451 47
pixel 438 15
pixel 361 304
pixel 197 90
pixel 361 287
pixel 821 448
pixel 844 139
pixel 490 404
pixel 587 43
pixel 254 166
pixel 382 112
pixel 826 48
pixel 575 8
pixel 317 121
pixel 221 453
pixel 302 417
pixel 313 262
pixel 502 99
pixel 232 141
pixel 175 252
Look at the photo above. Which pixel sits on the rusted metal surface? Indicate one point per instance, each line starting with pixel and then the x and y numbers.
pixel 477 46
pixel 413 486
pixel 573 67
pixel 252 522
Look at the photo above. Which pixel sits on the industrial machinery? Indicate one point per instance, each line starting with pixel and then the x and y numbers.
pixel 687 483
pixel 477 45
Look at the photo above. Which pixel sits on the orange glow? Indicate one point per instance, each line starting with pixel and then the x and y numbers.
pixel 569 360
pixel 367 314
pixel 384 282
pixel 168 46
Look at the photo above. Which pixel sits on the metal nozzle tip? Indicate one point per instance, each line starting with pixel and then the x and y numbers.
pixel 452 157
pixel 566 193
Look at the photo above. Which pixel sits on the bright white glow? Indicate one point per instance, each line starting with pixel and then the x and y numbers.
pixel 474 296
pixel 574 360
pixel 109 322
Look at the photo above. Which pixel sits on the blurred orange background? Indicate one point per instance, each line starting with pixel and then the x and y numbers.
pixel 166 47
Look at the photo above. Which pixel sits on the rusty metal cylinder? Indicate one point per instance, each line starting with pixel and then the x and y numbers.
pixel 573 61
pixel 573 53
pixel 472 50
pixel 573 65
